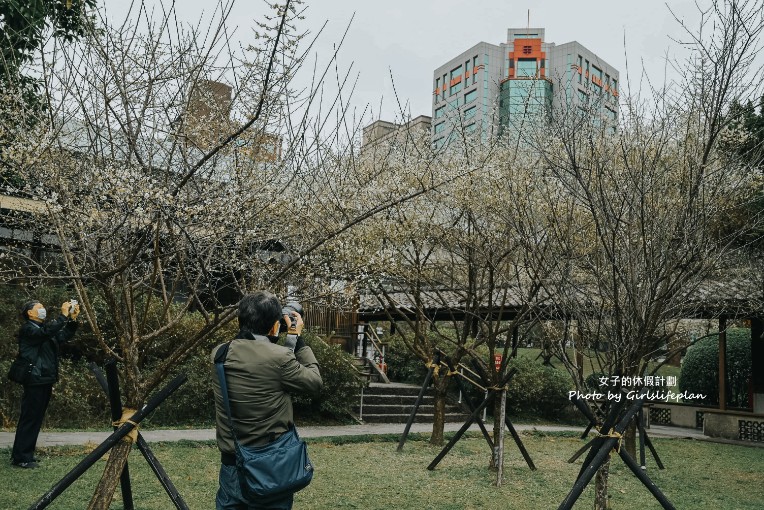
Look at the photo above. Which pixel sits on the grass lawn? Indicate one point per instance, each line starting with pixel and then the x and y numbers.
pixel 368 473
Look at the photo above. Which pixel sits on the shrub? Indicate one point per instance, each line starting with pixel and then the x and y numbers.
pixel 193 403
pixel 403 365
pixel 78 400
pixel 592 381
pixel 341 385
pixel 700 368
pixel 537 389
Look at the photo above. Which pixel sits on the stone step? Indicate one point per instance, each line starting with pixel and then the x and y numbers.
pixel 403 418
pixel 381 409
pixel 395 399
pixel 394 389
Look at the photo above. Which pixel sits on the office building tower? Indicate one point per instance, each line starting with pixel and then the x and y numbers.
pixel 518 84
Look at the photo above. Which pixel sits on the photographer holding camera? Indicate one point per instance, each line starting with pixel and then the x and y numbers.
pixel 260 375
pixel 39 343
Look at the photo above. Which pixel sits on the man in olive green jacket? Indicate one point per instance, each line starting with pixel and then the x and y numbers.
pixel 260 375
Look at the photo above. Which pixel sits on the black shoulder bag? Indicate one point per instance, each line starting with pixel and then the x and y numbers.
pixel 20 371
pixel 271 470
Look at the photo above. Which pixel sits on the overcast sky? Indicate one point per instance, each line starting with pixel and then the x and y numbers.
pixel 411 38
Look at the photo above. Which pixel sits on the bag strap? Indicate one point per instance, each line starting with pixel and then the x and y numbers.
pixel 220 357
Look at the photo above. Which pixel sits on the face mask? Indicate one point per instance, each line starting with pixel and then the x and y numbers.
pixel 41 314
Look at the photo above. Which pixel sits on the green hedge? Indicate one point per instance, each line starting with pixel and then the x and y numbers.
pixel 700 368
pixel 402 365
pixel 537 389
pixel 341 384
pixel 79 402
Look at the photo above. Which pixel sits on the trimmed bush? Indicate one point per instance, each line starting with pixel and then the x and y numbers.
pixel 537 389
pixel 700 368
pixel 404 366
pixel 341 385
pixel 592 381
pixel 79 402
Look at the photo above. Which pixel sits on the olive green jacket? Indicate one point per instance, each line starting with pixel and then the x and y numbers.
pixel 260 376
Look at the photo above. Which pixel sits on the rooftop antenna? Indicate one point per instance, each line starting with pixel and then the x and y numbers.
pixel 528 27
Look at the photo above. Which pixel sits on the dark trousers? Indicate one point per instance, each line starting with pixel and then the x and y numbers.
pixel 229 495
pixel 34 402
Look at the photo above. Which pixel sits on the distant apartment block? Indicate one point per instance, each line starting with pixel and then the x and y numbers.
pixel 490 88
pixel 383 132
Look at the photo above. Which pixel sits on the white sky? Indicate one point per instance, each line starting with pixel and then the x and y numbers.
pixel 411 38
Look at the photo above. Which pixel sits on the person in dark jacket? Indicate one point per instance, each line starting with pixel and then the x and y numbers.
pixel 39 343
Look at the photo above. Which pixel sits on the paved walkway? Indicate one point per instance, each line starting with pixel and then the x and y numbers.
pixel 81 438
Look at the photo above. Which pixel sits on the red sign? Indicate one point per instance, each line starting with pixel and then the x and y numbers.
pixel 497 361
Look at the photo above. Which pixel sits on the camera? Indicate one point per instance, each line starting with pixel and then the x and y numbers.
pixel 290 309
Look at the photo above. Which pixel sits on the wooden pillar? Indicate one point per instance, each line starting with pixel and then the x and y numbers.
pixel 722 363
pixel 757 364
pixel 515 340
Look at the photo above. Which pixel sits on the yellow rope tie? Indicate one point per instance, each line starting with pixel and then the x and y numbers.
pixel 617 435
pixel 435 367
pixel 128 413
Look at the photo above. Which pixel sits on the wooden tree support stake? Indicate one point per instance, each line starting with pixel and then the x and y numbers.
pixel 602 446
pixel 475 417
pixel 644 439
pixel 143 447
pixel 425 385
pixel 108 444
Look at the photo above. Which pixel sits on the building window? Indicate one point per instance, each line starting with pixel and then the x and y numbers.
pixel 527 49
pixel 470 112
pixel 470 96
pixel 453 105
pixel 580 68
pixel 614 88
pixel 440 127
pixel 474 69
pixel 440 112
pixel 526 68
pixel 437 89
pixel 471 128
pixel 597 79
pixel 456 81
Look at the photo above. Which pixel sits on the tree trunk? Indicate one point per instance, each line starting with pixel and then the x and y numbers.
pixel 498 425
pixel 601 499
pixel 104 493
pixel 630 439
pixel 439 413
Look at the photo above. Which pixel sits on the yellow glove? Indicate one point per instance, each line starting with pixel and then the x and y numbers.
pixel 65 308
pixel 75 312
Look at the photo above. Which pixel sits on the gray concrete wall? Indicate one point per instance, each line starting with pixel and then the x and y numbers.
pixel 681 415
pixel 726 424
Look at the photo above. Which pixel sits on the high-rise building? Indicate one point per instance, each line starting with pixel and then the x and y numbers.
pixel 490 88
